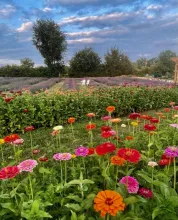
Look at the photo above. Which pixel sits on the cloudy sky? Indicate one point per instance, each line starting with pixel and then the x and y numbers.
pixel 138 27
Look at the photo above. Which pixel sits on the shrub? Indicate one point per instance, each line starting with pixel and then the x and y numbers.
pixel 51 109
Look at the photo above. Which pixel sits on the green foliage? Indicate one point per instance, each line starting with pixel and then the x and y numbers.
pixel 45 110
pixel 17 71
pixel 117 63
pixel 51 43
pixel 85 63
pixel 27 63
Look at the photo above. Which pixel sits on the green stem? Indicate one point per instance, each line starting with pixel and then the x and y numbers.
pixel 15 154
pixel 61 172
pixel 2 154
pixel 152 179
pixel 174 173
pixel 31 143
pixel 117 135
pixel 59 138
pixel 31 187
pixel 65 172
pixel 116 176
pixel 133 130
pixel 108 217
pixel 72 131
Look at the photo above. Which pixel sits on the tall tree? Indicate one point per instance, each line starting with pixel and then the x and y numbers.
pixel 27 63
pixel 117 63
pixel 85 62
pixel 51 43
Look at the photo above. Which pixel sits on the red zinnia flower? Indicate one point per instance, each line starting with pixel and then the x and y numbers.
pixel 106 134
pixel 90 126
pixel 149 127
pixel 134 115
pixel 8 99
pixel 29 128
pixel 176 107
pixel 129 138
pixel 145 117
pixel 130 155
pixel 25 110
pixel 147 193
pixel 11 138
pixel 166 109
pixel 105 148
pixel 105 128
pixel 164 162
pixel 154 120
pixel 8 172
pixel 91 151
pixel 43 159
pixel 71 120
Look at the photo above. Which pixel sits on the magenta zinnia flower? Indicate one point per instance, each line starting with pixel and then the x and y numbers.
pixel 174 125
pixel 81 151
pixel 171 151
pixel 106 118
pixel 147 193
pixel 27 165
pixel 62 156
pixel 131 183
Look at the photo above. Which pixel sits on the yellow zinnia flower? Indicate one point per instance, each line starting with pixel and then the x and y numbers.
pixel 134 123
pixel 2 141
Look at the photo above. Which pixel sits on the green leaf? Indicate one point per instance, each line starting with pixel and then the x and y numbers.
pixel 145 177
pixel 9 206
pixel 43 214
pixel 44 170
pixel 157 211
pixel 73 206
pixel 73 216
pixel 74 182
pixel 131 200
pixel 87 181
pixel 75 198
pixel 35 206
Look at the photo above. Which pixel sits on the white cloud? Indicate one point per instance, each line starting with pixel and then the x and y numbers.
pixel 118 16
pixel 47 9
pixel 154 7
pixel 90 40
pixel 9 61
pixel 7 10
pixel 25 27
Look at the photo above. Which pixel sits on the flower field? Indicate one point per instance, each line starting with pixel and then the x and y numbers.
pixel 110 168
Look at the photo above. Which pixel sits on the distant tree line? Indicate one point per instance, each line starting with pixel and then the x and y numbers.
pixel 51 42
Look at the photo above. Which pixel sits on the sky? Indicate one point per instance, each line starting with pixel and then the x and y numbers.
pixel 140 28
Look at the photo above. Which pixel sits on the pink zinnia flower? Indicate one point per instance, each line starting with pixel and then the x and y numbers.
pixel 171 151
pixel 27 165
pixel 62 156
pixel 131 183
pixel 106 118
pixel 81 151
pixel 147 193
pixel 174 125
pixel 18 141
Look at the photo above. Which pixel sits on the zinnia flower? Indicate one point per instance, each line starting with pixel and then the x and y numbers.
pixel 62 156
pixel 134 123
pixel 152 164
pixel 164 162
pixel 149 127
pixel 147 193
pixel 25 110
pixel 172 103
pixel 11 138
pixel 43 159
pixel 131 183
pixel 166 109
pixel 130 155
pixel 81 151
pixel 106 134
pixel 90 115
pixel 105 148
pixel 90 126
pixel 57 128
pixel 117 161
pixel 115 120
pixel 129 138
pixel 105 128
pixel 54 132
pixel 27 165
pixel 71 120
pixel 154 120
pixel 108 202
pixel 8 99
pixel 35 151
pixel 123 125
pixel 73 156
pixel 176 107
pixel 134 115
pixel 110 109
pixel 174 125
pixel 106 118
pixel 29 128
pixel 171 151
pixel 91 151
pixel 18 141
pixel 145 117
pixel 2 141
pixel 8 172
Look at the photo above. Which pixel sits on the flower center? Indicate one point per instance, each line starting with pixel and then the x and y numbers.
pixel 108 201
pixel 174 148
pixel 129 153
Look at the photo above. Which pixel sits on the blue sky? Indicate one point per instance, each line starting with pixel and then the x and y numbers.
pixel 141 28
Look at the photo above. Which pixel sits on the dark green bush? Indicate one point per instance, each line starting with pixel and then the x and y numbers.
pixel 51 109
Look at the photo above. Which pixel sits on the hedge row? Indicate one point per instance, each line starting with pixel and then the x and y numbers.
pixel 44 110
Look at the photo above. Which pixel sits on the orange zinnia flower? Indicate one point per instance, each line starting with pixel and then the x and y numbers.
pixel 129 138
pixel 110 109
pixel 145 117
pixel 172 103
pixel 71 120
pixel 90 126
pixel 90 115
pixel 108 202
pixel 166 109
pixel 115 120
pixel 117 160
pixel 159 114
